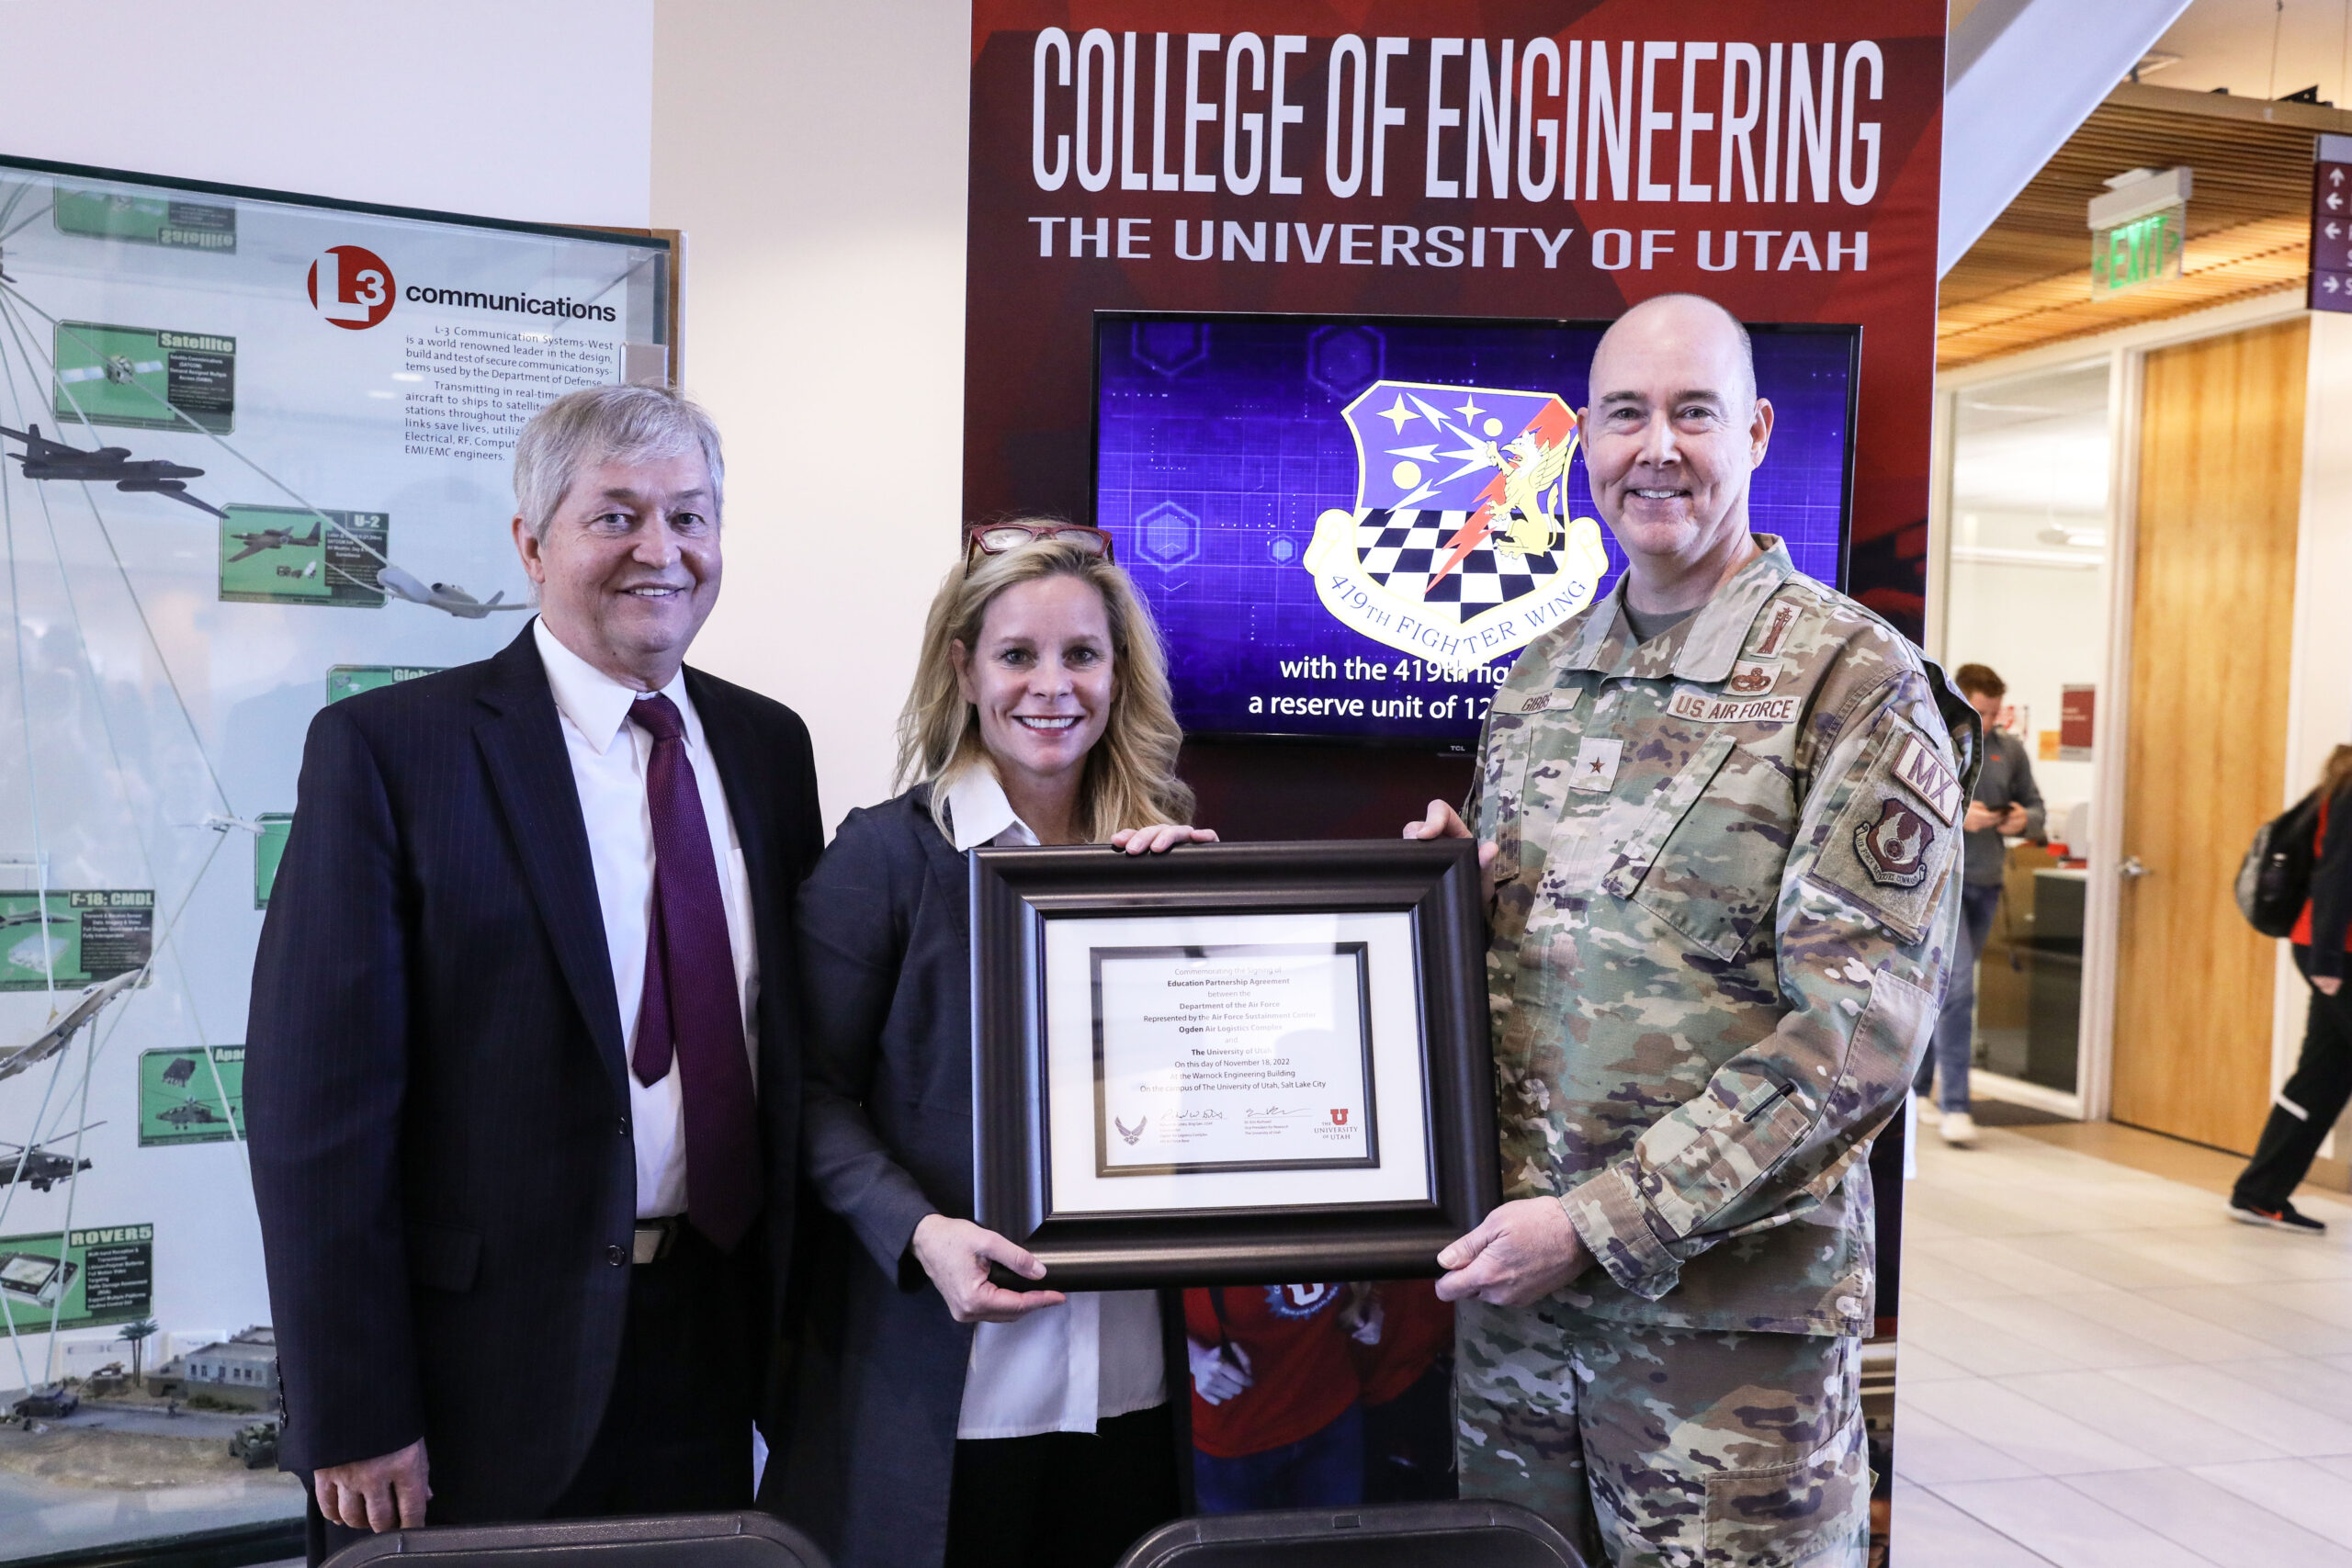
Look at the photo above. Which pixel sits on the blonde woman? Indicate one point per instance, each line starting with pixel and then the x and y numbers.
pixel 940 1418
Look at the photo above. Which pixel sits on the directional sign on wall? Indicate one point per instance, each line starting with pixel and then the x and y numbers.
pixel 2331 285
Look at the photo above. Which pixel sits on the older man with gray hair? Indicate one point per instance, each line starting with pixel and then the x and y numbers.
pixel 523 1084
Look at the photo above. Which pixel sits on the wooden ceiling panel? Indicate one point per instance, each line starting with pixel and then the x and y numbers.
pixel 2027 281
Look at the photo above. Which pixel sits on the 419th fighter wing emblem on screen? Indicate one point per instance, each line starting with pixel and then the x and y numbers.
pixel 1460 548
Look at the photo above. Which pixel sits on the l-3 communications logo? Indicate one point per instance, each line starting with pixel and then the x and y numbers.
pixel 351 285
pixel 1460 548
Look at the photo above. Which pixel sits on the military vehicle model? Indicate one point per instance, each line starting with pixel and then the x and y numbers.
pixel 43 1402
pixel 255 1444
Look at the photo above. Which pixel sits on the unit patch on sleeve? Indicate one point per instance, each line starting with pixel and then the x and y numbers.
pixel 1924 774
pixel 1892 844
pixel 1894 848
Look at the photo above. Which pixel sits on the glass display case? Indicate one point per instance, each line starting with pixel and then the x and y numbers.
pixel 253 459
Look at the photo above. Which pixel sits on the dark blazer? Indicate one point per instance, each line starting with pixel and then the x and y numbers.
pixel 885 933
pixel 437 1102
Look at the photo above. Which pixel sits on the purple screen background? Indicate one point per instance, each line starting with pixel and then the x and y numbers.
pixel 1218 441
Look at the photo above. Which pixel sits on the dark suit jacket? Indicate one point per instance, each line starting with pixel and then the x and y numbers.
pixel 437 1102
pixel 886 976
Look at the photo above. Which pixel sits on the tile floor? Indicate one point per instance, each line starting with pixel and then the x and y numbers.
pixel 2097 1368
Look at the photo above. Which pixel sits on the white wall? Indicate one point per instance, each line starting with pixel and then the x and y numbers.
pixel 2041 624
pixel 535 109
pixel 821 187
pixel 815 157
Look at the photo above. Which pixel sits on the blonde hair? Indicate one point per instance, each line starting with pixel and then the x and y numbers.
pixel 2335 774
pixel 1130 776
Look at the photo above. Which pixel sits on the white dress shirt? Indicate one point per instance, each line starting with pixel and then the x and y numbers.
pixel 608 760
pixel 1060 1368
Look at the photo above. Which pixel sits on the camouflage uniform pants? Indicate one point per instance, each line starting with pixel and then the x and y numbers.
pixel 1667 1448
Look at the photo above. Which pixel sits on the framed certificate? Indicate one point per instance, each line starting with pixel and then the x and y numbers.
pixel 1231 1063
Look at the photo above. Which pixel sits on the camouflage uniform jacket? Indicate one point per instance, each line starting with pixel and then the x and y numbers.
pixel 1726 893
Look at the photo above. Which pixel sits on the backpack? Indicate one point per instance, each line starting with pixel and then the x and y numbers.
pixel 2275 879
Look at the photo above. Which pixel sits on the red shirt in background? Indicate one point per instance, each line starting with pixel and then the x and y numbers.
pixel 1416 1328
pixel 1298 1358
pixel 2302 935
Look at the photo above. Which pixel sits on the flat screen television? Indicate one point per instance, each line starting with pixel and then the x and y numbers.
pixel 1348 526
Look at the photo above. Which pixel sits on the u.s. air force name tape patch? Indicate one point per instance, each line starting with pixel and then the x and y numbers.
pixel 1707 710
pixel 1921 772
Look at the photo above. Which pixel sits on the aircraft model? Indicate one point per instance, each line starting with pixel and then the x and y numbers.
pixel 273 540
pixel 446 597
pixel 189 1113
pixel 45 459
pixel 36 1166
pixel 58 1035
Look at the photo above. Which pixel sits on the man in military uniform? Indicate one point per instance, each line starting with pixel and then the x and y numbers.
pixel 1721 811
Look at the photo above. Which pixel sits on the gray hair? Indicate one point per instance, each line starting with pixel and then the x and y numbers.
pixel 600 425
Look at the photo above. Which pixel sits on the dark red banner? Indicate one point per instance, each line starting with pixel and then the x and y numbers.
pixel 1489 159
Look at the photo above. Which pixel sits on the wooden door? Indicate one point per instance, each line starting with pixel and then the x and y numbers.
pixel 2214 588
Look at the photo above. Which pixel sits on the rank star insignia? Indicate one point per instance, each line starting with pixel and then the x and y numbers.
pixel 1894 848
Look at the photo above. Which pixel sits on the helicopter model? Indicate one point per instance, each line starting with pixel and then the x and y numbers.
pixel 36 1166
pixel 189 1113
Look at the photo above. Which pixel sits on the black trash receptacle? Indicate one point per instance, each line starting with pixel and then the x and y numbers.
pixel 1472 1533
pixel 747 1540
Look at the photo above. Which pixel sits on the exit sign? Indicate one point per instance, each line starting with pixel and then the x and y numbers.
pixel 2140 251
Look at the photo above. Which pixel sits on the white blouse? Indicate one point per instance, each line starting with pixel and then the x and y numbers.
pixel 1060 1368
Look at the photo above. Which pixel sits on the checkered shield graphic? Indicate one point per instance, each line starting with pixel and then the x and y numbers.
pixel 1461 493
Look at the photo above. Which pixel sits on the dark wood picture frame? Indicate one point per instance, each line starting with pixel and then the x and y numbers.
pixel 1014 892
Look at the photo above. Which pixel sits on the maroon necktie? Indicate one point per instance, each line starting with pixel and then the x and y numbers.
pixel 691 1006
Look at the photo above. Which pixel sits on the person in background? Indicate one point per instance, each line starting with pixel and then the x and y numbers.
pixel 1275 1422
pixel 2006 804
pixel 937 1416
pixel 2311 1100
pixel 1406 1375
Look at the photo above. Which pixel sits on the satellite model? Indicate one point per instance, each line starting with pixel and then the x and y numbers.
pixel 45 459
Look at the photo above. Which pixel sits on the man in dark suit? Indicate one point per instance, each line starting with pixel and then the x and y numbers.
pixel 522 1081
